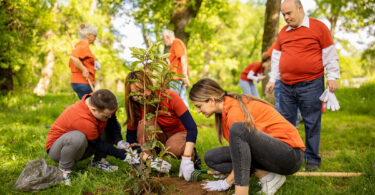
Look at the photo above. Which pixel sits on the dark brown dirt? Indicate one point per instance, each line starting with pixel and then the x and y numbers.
pixel 175 185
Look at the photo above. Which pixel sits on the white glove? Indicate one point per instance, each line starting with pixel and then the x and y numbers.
pixel 97 65
pixel 186 168
pixel 219 185
pixel 334 104
pixel 132 157
pixel 123 145
pixel 160 165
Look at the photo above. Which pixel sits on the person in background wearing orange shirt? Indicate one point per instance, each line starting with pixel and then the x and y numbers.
pixel 303 49
pixel 253 72
pixel 82 61
pixel 88 127
pixel 178 64
pixel 260 140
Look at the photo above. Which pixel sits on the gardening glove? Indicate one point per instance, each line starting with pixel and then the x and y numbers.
pixel 97 65
pixel 186 168
pixel 334 104
pixel 219 185
pixel 160 165
pixel 123 145
pixel 132 157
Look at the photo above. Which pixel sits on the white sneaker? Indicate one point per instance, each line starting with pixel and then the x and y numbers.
pixel 271 183
pixel 218 175
pixel 104 165
pixel 66 177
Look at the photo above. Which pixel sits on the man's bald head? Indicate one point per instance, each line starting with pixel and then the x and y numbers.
pixel 293 13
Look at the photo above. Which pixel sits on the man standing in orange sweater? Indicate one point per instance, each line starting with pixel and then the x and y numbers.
pixel 178 64
pixel 302 50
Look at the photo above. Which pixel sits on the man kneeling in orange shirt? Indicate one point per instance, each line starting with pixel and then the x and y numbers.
pixel 88 127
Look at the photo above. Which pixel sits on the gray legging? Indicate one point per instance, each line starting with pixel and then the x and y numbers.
pixel 248 151
pixel 73 147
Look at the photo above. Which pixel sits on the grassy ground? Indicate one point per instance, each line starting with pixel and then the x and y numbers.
pixel 347 144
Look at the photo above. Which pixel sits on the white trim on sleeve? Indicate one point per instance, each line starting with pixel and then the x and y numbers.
pixel 275 60
pixel 331 62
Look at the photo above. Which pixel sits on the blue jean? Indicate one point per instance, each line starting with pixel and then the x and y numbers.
pixel 249 88
pixel 277 102
pixel 255 149
pixel 81 89
pixel 180 88
pixel 305 96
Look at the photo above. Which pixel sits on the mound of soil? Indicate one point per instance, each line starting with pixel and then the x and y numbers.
pixel 174 185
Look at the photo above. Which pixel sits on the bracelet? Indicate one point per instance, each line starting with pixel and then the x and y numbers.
pixel 185 155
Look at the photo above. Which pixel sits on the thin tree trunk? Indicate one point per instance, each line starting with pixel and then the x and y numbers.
pixel 47 71
pixel 184 11
pixel 144 34
pixel 271 30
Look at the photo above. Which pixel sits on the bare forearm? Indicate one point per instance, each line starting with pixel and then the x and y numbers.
pixel 78 63
pixel 184 65
pixel 189 147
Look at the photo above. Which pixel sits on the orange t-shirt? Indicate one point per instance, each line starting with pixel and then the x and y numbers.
pixel 177 50
pixel 82 52
pixel 301 52
pixel 256 67
pixel 266 119
pixel 169 123
pixel 76 117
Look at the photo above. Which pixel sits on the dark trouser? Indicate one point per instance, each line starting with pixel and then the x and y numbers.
pixel 219 159
pixel 81 89
pixel 305 96
pixel 257 150
pixel 72 147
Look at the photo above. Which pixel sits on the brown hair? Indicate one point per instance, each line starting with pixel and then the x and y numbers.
pixel 103 99
pixel 133 108
pixel 206 88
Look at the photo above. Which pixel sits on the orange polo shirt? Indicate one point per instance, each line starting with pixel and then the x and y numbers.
pixel 169 123
pixel 266 119
pixel 177 50
pixel 76 117
pixel 82 52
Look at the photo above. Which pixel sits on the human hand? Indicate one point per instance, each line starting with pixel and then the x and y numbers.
pixel 261 77
pixel 332 85
pixel 132 157
pixel 219 185
pixel 123 145
pixel 160 165
pixel 186 168
pixel 186 81
pixel 269 87
pixel 85 74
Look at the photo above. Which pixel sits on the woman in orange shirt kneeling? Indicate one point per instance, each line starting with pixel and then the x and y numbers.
pixel 260 140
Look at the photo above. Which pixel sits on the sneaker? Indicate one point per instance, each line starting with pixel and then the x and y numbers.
pixel 104 165
pixel 271 183
pixel 66 177
pixel 311 167
pixel 197 160
pixel 218 175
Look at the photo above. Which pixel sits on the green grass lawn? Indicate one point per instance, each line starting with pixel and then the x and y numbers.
pixel 347 144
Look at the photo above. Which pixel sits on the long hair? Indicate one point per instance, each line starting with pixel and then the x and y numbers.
pixel 133 108
pixel 206 88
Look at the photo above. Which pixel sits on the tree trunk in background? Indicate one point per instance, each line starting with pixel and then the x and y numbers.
pixel 333 21
pixel 144 35
pixel 47 71
pixel 184 11
pixel 271 30
pixel 6 79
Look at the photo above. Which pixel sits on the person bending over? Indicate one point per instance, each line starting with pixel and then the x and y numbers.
pixel 88 127
pixel 260 140
pixel 179 131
